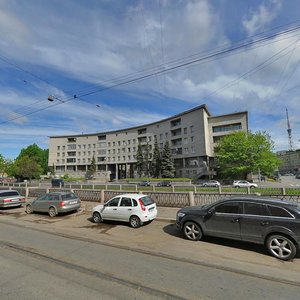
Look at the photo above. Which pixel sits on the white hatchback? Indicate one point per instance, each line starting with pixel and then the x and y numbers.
pixel 133 208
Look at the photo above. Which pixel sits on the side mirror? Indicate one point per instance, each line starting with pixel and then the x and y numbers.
pixel 211 211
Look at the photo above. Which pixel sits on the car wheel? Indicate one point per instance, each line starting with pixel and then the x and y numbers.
pixel 252 187
pixel 52 212
pixel 205 185
pixel 237 186
pixel 281 247
pixel 96 217
pixel 192 231
pixel 135 222
pixel 29 209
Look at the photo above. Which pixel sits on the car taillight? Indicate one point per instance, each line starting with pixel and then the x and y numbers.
pixel 23 199
pixel 62 203
pixel 142 205
pixel 7 200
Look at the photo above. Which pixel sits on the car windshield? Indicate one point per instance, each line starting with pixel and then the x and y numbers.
pixel 147 200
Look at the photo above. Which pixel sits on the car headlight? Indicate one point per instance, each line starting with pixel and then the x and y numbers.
pixel 180 214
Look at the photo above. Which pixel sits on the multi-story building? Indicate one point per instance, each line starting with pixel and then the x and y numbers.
pixel 290 161
pixel 192 136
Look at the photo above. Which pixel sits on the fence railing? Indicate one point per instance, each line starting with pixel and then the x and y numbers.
pixel 162 198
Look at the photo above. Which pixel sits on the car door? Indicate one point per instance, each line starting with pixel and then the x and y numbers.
pixel 110 210
pixel 225 220
pixel 42 203
pixel 254 222
pixel 125 209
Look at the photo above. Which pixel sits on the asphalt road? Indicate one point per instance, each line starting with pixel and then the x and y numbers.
pixel 69 257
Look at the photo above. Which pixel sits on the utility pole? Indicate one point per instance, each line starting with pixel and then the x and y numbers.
pixel 291 148
pixel 289 130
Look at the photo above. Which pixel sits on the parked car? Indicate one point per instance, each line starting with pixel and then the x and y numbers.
pixel 244 183
pixel 144 183
pixel 11 198
pixel 57 182
pixel 211 183
pixel 164 183
pixel 54 203
pixel 272 222
pixel 133 208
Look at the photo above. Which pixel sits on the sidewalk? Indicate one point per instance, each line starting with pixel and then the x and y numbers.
pixel 164 214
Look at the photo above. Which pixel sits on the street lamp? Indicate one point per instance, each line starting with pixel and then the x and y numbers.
pixel 51 98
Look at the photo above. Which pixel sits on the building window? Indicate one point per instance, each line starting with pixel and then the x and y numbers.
pixel 71 140
pixel 71 160
pixel 58 154
pixel 128 149
pixel 102 144
pixel 186 150
pixel 176 122
pixel 230 127
pixel 167 135
pixel 142 131
pixel 71 146
pixel 101 137
pixel 58 147
pixel 79 146
pixel 192 128
pixel 114 144
pixel 119 143
pixel 128 142
pixel 192 139
pixel 185 130
pixel 161 136
pixel 193 149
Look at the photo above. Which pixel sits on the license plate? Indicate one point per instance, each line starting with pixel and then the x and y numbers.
pixel 73 202
pixel 150 209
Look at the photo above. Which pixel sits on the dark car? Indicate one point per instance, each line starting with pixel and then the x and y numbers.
pixel 272 222
pixel 54 203
pixel 144 183
pixel 164 183
pixel 57 182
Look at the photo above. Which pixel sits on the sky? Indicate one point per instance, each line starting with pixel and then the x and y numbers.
pixel 112 64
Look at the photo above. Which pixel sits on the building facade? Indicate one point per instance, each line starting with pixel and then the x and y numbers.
pixel 192 136
pixel 290 161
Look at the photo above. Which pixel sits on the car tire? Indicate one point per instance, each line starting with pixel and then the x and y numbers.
pixel 29 209
pixel 135 222
pixel 205 185
pixel 237 186
pixel 97 217
pixel 192 231
pixel 52 212
pixel 252 187
pixel 281 247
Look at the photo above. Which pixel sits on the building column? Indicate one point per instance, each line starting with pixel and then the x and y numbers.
pixel 117 172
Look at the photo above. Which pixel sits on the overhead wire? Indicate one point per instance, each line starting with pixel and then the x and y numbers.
pixel 169 67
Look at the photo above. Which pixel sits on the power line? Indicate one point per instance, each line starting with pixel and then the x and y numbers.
pixel 169 67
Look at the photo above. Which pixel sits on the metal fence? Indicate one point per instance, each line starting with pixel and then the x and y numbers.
pixel 162 198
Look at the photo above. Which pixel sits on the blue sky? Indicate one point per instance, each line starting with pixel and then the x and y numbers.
pixel 72 47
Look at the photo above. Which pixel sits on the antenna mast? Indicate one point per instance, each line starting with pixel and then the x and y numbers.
pixel 289 130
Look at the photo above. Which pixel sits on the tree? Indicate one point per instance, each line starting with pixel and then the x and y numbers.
pixel 167 164
pixel 156 162
pixel 2 166
pixel 36 153
pixel 139 160
pixel 92 169
pixel 242 153
pixel 26 167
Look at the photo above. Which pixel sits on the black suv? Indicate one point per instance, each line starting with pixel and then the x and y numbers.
pixel 269 221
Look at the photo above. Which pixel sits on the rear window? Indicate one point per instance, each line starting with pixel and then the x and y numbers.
pixel 10 193
pixel 279 212
pixel 68 196
pixel 147 200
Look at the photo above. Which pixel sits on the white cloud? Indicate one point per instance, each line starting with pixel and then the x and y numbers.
pixel 258 19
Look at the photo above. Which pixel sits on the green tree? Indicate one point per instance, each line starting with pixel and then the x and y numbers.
pixel 36 153
pixel 92 169
pixel 26 167
pixel 242 153
pixel 139 160
pixel 156 161
pixel 167 164
pixel 2 165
